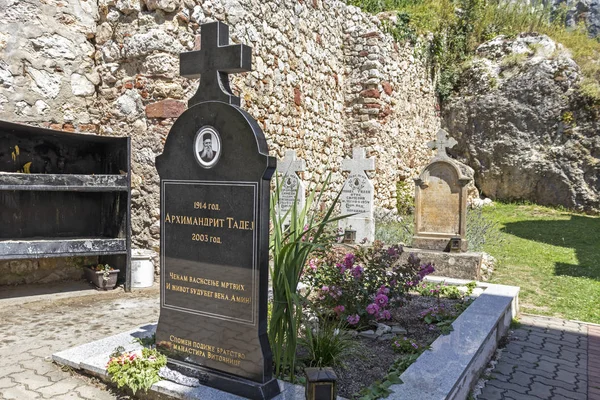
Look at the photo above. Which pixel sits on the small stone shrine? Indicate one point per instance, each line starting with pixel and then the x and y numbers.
pixel 357 197
pixel 215 175
pixel 292 187
pixel 441 201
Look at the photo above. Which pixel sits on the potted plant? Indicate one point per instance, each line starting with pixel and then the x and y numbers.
pixel 103 276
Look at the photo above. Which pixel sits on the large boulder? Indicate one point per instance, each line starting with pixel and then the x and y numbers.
pixel 522 126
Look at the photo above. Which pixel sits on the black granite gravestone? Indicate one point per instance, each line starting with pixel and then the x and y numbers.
pixel 214 175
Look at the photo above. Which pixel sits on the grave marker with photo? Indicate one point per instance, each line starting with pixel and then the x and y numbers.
pixel 215 176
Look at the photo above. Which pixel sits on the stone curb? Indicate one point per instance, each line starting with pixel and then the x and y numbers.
pixel 447 371
pixel 455 361
pixel 92 358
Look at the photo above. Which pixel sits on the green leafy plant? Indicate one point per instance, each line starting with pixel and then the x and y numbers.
pixel 442 317
pixel 432 289
pixel 327 344
pixel 470 287
pixel 295 236
pixel 405 345
pixel 136 370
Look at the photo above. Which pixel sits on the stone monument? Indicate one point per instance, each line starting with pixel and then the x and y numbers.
pixel 292 187
pixel 441 201
pixel 357 197
pixel 215 175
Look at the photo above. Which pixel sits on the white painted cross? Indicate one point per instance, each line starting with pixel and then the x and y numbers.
pixel 358 164
pixel 442 142
pixel 357 196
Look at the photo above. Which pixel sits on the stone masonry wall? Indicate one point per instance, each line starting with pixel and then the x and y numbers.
pixel 325 78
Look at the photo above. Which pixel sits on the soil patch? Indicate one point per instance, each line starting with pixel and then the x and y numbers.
pixel 374 357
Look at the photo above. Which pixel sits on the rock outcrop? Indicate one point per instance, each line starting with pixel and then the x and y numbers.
pixel 522 126
pixel 582 11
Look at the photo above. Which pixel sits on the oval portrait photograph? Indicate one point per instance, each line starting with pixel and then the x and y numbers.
pixel 207 146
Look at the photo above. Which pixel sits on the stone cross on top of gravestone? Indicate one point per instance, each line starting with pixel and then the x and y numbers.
pixel 290 163
pixel 213 62
pixel 357 196
pixel 215 173
pixel 442 142
pixel 358 164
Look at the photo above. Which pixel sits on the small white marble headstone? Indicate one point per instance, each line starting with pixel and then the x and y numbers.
pixel 357 196
pixel 292 187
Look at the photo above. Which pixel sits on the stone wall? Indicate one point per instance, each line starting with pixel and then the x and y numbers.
pixel 325 78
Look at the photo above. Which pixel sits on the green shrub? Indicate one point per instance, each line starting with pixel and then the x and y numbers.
pixel 395 232
pixel 405 345
pixel 364 285
pixel 405 197
pixel 459 26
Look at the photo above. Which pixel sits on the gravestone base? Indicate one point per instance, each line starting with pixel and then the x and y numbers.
pixel 451 265
pixel 229 383
pixel 437 243
pixel 364 227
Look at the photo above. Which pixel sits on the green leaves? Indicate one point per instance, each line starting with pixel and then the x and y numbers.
pixel 294 237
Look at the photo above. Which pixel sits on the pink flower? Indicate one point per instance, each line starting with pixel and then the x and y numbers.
pixel 339 310
pixel 372 308
pixel 357 271
pixel 325 288
pixel 353 319
pixel 349 260
pixel 341 267
pixel 383 290
pixel 313 264
pixel 381 300
pixel 386 314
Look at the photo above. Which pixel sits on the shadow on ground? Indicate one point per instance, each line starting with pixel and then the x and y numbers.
pixel 581 233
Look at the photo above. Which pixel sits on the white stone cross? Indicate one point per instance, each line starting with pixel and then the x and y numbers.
pixel 290 164
pixel 442 142
pixel 358 164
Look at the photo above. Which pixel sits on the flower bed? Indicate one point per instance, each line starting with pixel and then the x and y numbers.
pixel 392 315
pixel 375 357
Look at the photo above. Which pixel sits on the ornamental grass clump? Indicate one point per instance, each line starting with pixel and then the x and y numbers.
pixel 327 344
pixel 295 236
pixel 362 286
pixel 136 370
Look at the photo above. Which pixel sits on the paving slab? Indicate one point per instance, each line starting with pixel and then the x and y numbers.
pixel 546 359
pixel 40 320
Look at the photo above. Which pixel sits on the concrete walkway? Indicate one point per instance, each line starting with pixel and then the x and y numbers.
pixel 549 359
pixel 34 327
pixel 545 358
